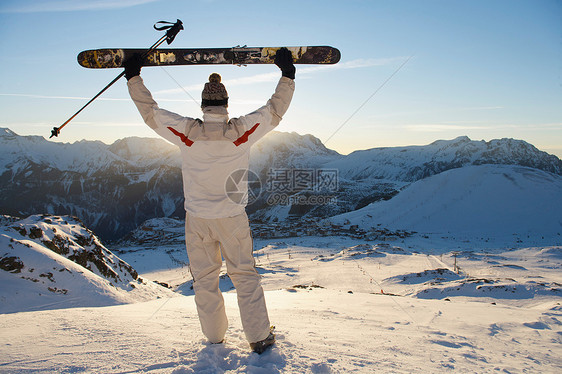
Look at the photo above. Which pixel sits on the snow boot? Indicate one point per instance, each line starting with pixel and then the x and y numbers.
pixel 262 345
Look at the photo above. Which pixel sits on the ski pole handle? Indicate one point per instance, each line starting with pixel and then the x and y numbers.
pixel 173 29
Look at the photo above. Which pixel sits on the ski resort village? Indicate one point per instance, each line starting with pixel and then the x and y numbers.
pixel 321 187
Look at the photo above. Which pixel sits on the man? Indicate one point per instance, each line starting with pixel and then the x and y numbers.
pixel 211 150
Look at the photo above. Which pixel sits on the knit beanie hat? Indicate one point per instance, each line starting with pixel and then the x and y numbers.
pixel 214 93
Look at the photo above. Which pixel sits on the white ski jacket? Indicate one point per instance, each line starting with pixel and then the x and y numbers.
pixel 212 148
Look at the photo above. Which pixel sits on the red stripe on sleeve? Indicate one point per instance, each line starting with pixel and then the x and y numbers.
pixel 183 138
pixel 244 138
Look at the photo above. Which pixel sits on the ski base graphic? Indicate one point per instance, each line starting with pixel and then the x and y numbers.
pixel 114 58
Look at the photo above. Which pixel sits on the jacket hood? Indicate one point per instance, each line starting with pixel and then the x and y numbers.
pixel 214 116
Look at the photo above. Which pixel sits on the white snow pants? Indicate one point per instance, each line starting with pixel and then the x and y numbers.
pixel 205 240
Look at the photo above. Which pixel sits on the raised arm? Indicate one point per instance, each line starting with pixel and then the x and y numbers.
pixel 268 117
pixel 165 123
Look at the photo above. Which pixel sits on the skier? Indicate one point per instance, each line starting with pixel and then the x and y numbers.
pixel 211 150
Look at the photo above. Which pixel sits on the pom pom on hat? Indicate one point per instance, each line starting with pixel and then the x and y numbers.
pixel 215 77
pixel 214 93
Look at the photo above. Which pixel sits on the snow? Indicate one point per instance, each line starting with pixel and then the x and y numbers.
pixel 475 286
pixel 339 305
pixel 54 262
pixel 284 149
pixel 322 332
pixel 412 163
pixel 493 200
pixel 84 156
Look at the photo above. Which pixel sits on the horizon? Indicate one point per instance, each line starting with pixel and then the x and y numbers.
pixel 287 132
pixel 411 73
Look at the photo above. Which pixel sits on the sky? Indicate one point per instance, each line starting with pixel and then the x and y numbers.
pixel 411 72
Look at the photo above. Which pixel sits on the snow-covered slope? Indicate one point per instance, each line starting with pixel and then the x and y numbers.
pixel 50 262
pixel 412 306
pixel 338 305
pixel 495 200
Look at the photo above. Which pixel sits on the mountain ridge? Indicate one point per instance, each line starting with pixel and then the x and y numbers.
pixel 115 188
pixel 441 155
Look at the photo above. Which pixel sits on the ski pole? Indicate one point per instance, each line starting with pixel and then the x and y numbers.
pixel 172 30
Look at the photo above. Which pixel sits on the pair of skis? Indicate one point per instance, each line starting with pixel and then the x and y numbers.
pixel 114 58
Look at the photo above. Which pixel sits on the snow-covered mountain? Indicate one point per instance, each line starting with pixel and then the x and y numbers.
pixel 442 303
pixel 378 174
pixel 486 200
pixel 413 163
pixel 115 188
pixel 514 204
pixel 51 260
pixel 289 150
pixel 111 188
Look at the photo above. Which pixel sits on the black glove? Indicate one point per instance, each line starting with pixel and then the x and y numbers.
pixel 133 66
pixel 284 59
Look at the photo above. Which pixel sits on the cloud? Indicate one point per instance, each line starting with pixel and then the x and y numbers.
pixel 435 127
pixel 481 125
pixel 33 96
pixel 259 78
pixel 478 108
pixel 90 124
pixel 353 64
pixel 34 6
